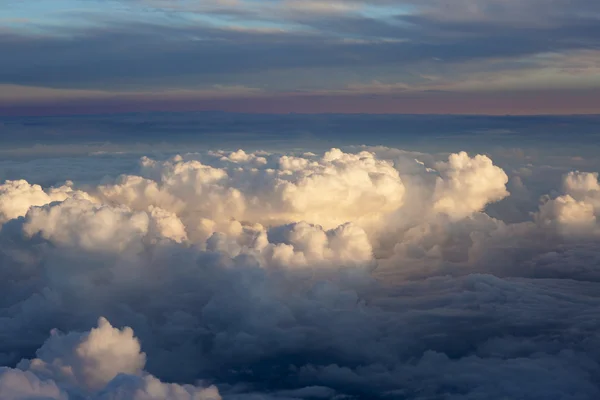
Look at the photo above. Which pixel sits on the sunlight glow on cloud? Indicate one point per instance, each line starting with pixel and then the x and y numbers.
pixel 201 275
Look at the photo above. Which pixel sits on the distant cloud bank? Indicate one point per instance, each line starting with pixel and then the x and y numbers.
pixel 467 57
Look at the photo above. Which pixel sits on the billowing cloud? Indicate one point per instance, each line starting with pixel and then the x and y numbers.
pixel 104 364
pixel 578 208
pixel 468 184
pixel 88 361
pixel 16 197
pixel 329 191
pixel 365 274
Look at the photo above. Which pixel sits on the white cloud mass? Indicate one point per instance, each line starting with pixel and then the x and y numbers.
pixel 371 274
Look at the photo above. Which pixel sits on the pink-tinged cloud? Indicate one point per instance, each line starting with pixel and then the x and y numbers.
pixel 557 102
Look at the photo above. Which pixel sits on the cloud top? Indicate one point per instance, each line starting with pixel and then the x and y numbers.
pixel 369 273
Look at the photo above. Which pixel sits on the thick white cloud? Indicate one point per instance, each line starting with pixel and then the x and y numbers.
pixel 330 191
pixel 90 360
pixel 375 274
pixel 297 245
pixel 565 210
pixel 584 186
pixel 81 223
pixel 467 185
pixel 16 197
pixel 105 363
pixel 577 210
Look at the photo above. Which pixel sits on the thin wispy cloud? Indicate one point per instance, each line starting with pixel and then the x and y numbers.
pixel 285 47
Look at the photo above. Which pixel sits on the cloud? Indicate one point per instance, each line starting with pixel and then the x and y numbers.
pixel 467 185
pixel 18 196
pixel 102 364
pixel 83 224
pixel 18 94
pixel 578 208
pixel 367 274
pixel 330 191
pixel 19 385
pixel 254 49
pixel 88 361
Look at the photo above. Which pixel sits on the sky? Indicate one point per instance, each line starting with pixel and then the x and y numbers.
pixel 299 200
pixel 305 56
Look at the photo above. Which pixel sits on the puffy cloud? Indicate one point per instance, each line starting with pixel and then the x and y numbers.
pixel 83 224
pixel 19 385
pixel 565 210
pixel 103 364
pixel 89 360
pixel 90 226
pixel 467 185
pixel 581 184
pixel 16 197
pixel 167 224
pixel 127 387
pixel 297 245
pixel 584 186
pixel 375 274
pixel 576 211
pixel 330 191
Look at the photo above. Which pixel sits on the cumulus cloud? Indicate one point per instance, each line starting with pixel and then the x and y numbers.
pixel 330 191
pixel 364 275
pixel 583 186
pixel 19 385
pixel 104 363
pixel 90 360
pixel 565 210
pixel 16 197
pixel 467 185
pixel 578 208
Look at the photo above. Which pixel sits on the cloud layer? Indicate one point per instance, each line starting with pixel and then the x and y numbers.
pixel 370 274
pixel 471 57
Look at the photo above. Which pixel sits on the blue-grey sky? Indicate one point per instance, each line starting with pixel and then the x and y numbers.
pixel 378 56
